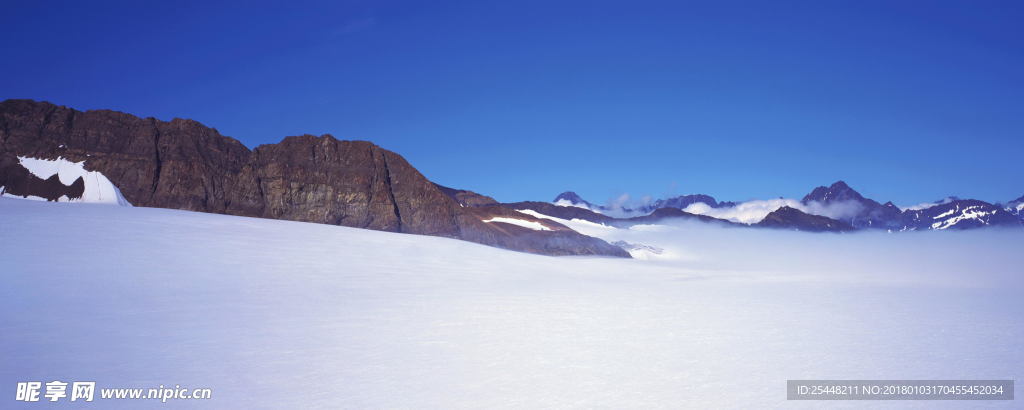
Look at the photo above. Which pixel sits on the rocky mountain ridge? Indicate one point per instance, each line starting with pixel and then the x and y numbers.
pixel 792 218
pixel 182 164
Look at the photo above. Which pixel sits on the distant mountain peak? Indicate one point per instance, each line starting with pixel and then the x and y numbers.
pixel 571 197
pixel 683 201
pixel 1016 207
pixel 838 191
pixel 568 195
pixel 959 214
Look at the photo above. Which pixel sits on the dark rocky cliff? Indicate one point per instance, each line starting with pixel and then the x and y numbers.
pixel 183 164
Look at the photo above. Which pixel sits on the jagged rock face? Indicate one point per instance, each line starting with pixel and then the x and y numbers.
pixel 179 164
pixel 792 218
pixel 182 164
pixel 350 183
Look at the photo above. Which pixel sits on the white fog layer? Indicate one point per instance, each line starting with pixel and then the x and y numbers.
pixel 272 314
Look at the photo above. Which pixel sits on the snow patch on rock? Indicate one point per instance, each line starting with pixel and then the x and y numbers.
pixel 98 189
pixel 582 226
pixel 566 202
pixel 537 226
pixel 971 212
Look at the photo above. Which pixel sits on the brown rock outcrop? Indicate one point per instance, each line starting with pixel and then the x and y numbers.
pixel 183 164
pixel 467 198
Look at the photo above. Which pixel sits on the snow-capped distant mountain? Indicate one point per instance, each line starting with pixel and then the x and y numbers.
pixel 959 214
pixel 949 213
pixel 836 207
pixel 1016 208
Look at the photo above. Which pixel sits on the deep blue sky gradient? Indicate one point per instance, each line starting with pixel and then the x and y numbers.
pixel 905 100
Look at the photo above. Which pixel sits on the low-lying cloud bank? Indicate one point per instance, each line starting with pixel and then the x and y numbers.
pixel 926 205
pixel 754 211
pixel 748 212
pixel 622 206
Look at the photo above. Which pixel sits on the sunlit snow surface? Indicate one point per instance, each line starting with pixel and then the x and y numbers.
pixel 274 314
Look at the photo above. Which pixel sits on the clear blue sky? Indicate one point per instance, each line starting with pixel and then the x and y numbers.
pixel 905 100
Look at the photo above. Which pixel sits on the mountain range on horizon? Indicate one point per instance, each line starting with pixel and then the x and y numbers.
pixel 840 203
pixel 56 153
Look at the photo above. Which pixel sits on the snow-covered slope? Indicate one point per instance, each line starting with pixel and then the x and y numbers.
pixel 537 226
pixel 1016 208
pixel 98 189
pixel 610 234
pixel 276 314
pixel 959 214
